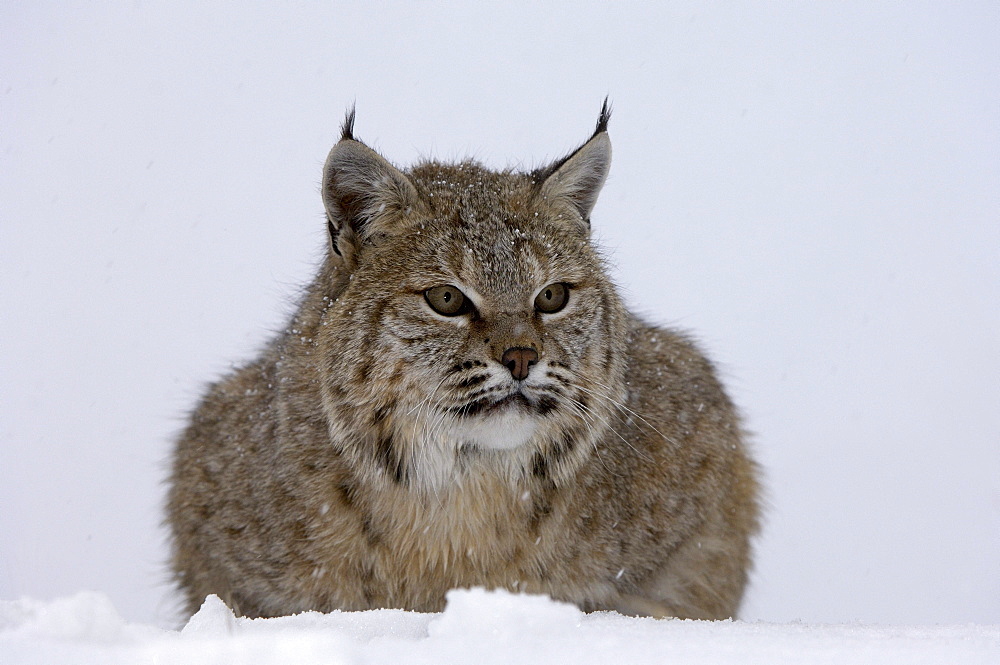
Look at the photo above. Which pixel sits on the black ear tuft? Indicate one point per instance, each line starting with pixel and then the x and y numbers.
pixel 347 129
pixel 602 120
pixel 577 178
pixel 364 195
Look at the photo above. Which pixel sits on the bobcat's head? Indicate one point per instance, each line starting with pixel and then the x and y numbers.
pixel 469 322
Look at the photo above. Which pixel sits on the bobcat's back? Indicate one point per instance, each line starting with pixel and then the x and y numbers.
pixel 462 400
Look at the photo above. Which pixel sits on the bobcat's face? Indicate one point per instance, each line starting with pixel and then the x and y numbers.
pixel 469 318
pixel 498 321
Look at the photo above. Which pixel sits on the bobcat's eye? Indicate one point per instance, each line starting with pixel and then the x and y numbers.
pixel 447 300
pixel 552 298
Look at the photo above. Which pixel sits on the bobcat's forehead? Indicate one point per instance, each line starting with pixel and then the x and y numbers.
pixel 514 259
pixel 490 231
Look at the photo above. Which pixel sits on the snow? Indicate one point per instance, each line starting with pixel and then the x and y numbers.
pixel 476 627
pixel 812 189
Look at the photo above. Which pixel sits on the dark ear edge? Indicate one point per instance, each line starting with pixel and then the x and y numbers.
pixel 579 177
pixel 346 133
pixel 602 127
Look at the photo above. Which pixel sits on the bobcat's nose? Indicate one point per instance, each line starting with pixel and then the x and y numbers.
pixel 519 361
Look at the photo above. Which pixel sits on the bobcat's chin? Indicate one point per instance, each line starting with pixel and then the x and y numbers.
pixel 506 424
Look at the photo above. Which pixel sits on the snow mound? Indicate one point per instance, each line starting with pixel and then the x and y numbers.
pixel 477 626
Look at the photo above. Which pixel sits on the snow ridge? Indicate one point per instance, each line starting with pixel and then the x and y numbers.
pixel 477 626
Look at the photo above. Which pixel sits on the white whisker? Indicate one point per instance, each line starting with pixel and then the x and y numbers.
pixel 620 405
pixel 590 417
pixel 608 424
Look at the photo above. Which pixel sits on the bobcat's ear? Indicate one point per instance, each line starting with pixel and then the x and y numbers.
pixel 578 178
pixel 362 193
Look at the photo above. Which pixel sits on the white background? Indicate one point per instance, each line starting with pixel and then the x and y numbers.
pixel 811 188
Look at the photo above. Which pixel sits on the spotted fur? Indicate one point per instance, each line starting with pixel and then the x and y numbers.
pixel 379 453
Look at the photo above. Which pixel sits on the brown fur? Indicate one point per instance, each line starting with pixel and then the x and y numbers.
pixel 361 462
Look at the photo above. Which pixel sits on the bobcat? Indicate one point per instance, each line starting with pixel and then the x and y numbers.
pixel 461 399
